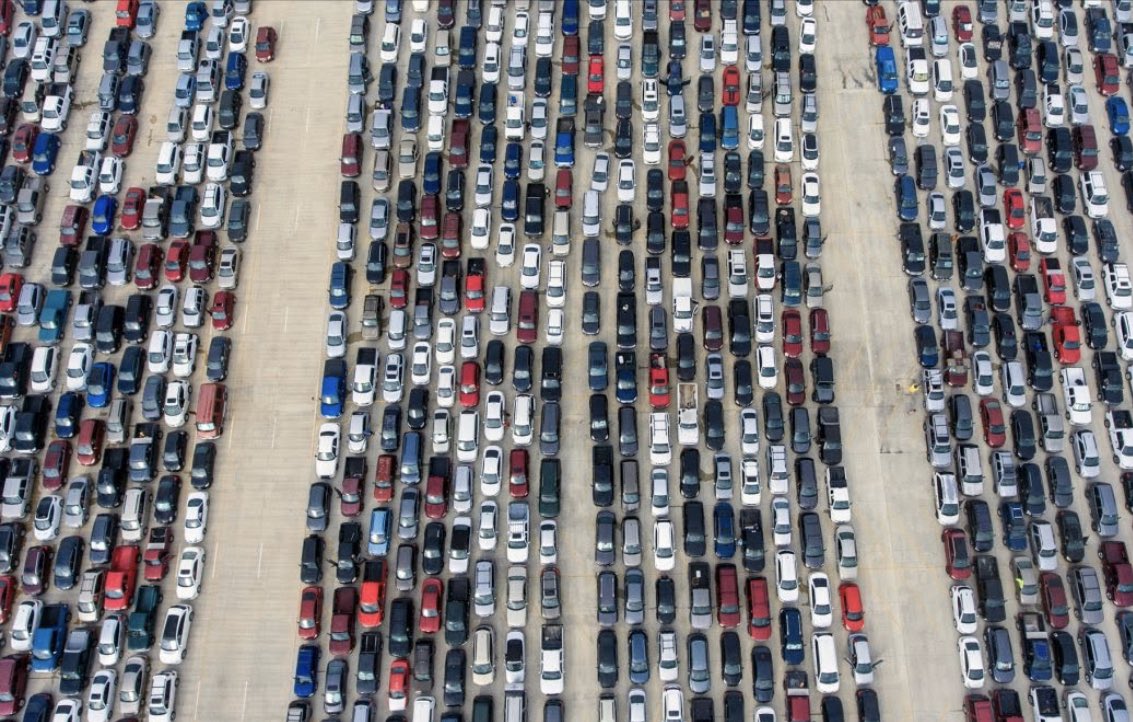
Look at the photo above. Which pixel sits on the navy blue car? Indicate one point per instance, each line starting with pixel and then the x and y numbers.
pixel 513 160
pixel 927 353
pixel 724 528
pixel 509 204
pixel 434 168
pixel 235 71
pixel 487 104
pixel 1014 525
pixel 906 191
pixel 791 635
pixel 707 133
pixel 67 414
pixel 465 92
pixel 44 153
pixel 339 289
pixel 488 139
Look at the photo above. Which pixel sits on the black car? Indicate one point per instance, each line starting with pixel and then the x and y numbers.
pixel 607 658
pixel 433 548
pixel 130 370
pixel 1122 148
pixel 976 138
pixel 1107 372
pixel 974 102
pixel 1064 193
pixel 243 170
pixel 1006 341
pixel 1094 325
pixel 666 593
pixel 173 452
pixel 1072 541
pixel 68 562
pixel 201 470
pixel 690 473
pixel 894 115
pixel 763 673
pixel 229 116
pixel 1074 228
pixel 1105 237
pixel 523 363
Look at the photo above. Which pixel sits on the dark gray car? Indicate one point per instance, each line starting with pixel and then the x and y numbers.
pixel 605 550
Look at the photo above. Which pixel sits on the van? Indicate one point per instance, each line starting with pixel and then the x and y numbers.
pixel 395 329
pixel 1036 175
pixel 911 24
pixel 118 420
pixel 1098 663
pixel 591 214
pixel 53 13
pixel 631 489
pixel 482 707
pixel 560 232
pixel 969 467
pixel 549 429
pixel 435 132
pixel 979 524
pixel 133 522
pixel 825 658
pixel 423 709
pixel 942 79
pixel 468 436
pixel 212 403
pixel 515 706
pixel 411 457
pixel 359 30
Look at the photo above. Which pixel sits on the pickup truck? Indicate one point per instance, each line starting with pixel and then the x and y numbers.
pixel 1037 661
pixel 955 360
pixel 144 452
pixel 122 578
pixel 140 623
pixel 1107 375
pixel 1076 396
pixel 658 381
pixel 342 620
pixel 157 553
pixel 47 642
pixel 798 695
pixel 369 660
pixel 1054 280
pixel 155 213
pixel 1067 336
pixel 552 663
pixel 1119 423
pixel 688 415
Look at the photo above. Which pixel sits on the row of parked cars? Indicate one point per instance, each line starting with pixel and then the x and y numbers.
pixel 1006 255
pixel 70 388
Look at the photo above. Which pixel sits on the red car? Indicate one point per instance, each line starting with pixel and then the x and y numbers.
pixel 731 85
pixel 958 560
pixel 265 44
pixel 474 287
pixel 517 474
pixel 429 230
pixel 676 10
pixel 176 261
pixel 223 304
pixel 962 23
pixel 155 559
pixel 432 592
pixel 679 215
pixel 713 327
pixel 436 497
pixel 353 488
pixel 13 683
pixel 572 55
pixel 1054 281
pixel 202 257
pixel 702 16
pixel 792 333
pixel 784 192
pixel 310 612
pixel 1066 335
pixel 796 381
pixel 596 75
pixel 1054 600
pixel 56 463
pixel 147 266
pixel 819 331
pixel 7 594
pixel 564 188
pixel 23 141
pixel 399 288
pixel 37 569
pixel 733 219
pixel 350 162
pixel 727 596
pixel 88 446
pixel 398 682
pixel 853 614
pixel 373 595
pixel 1016 212
pixel 126 14
pixel 678 163
pixel 1106 73
pixel 995 430
pixel 1118 573
pixel 383 479
pixel 131 216
pixel 10 286
pixel 7 16
pixel 452 230
pixel 123 134
pixel 758 609
pixel 878 25
pixel 73 224
pixel 659 393
pixel 1019 248
pixel 470 384
pixel 527 318
pixel 458 143
pixel 342 620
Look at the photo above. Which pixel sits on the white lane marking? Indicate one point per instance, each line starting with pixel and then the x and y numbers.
pixel 259 567
pixel 244 706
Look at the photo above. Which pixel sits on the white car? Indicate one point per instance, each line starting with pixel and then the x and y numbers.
pixel 600 179
pixel 1079 105
pixel 530 271
pixel 983 373
pixel 426 265
pixel 922 118
pixel 627 181
pixel 786 575
pixel 110 175
pixel 494 416
pixel 491 471
pixel 184 354
pixel 673 704
pixel 651 148
pixel 421 363
pixel 79 362
pixel 972 665
pixel 950 126
pixel 336 334
pixel 808 35
pixel 708 175
pixel 969 62
pixel 821 606
pixel 176 405
pixel 238 35
pixel 1078 707
pixel 69 709
pixel 326 455
pixel 48 517
pixel 175 634
pixel 445 389
pixel 768 368
pixel 1054 106
pixel 483 189
pixel 964 609
pixel 102 695
pixel 445 348
pixel 1095 198
pixel 391 39
pixel 193 162
pixel 488 533
pixel 490 66
pixel 811 197
pixel 228 269
pixel 755 133
pixel 781 521
pixel 163 696
pixel 664 552
pixel 555 330
pixel 258 90
pixel 196 517
pixel 418 36
pixel 24 623
pixel 165 308
pixel 190 573
pixel 505 246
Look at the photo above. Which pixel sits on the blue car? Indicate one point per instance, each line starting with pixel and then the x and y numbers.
pixel 339 290
pixel 707 133
pixel 333 393
pixel 44 153
pixel 100 382
pixel 235 71
pixel 67 414
pixel 513 160
pixel 1014 525
pixel 306 671
pixel 906 191
pixel 487 105
pixel 791 635
pixel 564 148
pixel 729 128
pixel 509 203
pixel 102 216
pixel 724 528
pixel 431 178
pixel 195 15
pixel 625 386
pixel 1117 111
pixel 886 70
pixel 488 138
pixel 462 104
pixel 570 17
pixel 927 353
pixel 381 526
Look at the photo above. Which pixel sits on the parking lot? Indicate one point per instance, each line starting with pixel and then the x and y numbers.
pixel 242 653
